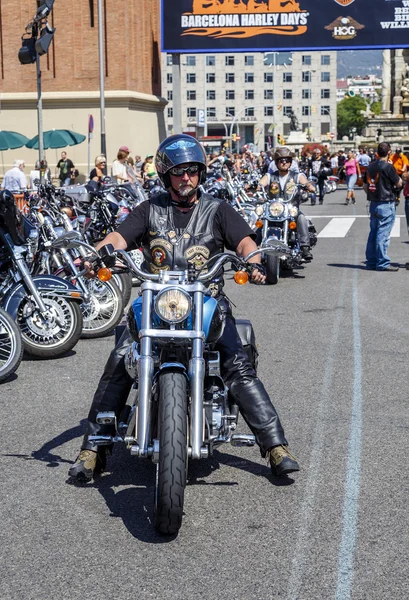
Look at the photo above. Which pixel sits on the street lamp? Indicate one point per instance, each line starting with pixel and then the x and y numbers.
pixel 327 111
pixel 276 68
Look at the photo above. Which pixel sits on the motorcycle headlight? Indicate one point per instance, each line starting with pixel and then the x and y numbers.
pixel 173 305
pixel 259 210
pixel 293 211
pixel 276 209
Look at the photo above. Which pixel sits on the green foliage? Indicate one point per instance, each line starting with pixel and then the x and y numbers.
pixel 349 115
pixel 376 107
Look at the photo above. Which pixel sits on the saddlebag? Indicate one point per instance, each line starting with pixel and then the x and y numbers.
pixel 248 339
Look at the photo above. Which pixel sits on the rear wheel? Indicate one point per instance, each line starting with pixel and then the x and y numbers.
pixel 173 456
pixel 272 269
pixel 104 310
pixel 11 346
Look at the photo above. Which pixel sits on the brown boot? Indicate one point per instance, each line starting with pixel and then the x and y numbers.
pixel 282 461
pixel 87 465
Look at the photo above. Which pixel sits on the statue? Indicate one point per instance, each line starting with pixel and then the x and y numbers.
pixel 404 90
pixel 294 123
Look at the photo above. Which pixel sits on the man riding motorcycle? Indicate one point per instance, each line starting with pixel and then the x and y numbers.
pixel 282 182
pixel 181 229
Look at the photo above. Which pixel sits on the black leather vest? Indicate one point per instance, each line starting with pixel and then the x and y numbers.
pixel 290 190
pixel 167 248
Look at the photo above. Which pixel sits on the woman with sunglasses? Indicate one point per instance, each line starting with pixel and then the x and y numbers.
pixel 182 229
pixel 97 174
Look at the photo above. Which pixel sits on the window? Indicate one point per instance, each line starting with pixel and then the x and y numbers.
pixel 211 94
pixel 191 112
pixel 210 61
pixel 249 95
pixel 306 111
pixel 325 128
pixel 325 76
pixel 170 113
pixel 248 77
pixel 287 77
pixel 190 77
pixel 230 94
pixel 306 76
pixel 191 61
pixel 306 59
pixel 211 111
pixel 325 93
pixel 249 61
pixel 288 94
pixel 170 95
pixel 229 77
pixel 169 61
pixel 268 111
pixel 191 95
pixel 229 61
pixel 249 112
pixel 325 110
pixel 306 95
pixel 230 111
pixel 287 110
pixel 268 78
pixel 268 94
pixel 325 59
pixel 210 77
pixel 169 78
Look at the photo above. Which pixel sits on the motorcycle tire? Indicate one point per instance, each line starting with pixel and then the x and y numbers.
pixel 40 343
pixel 104 311
pixel 171 470
pixel 11 346
pixel 124 282
pixel 272 269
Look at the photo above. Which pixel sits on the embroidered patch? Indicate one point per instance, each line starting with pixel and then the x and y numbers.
pixel 158 256
pixel 274 187
pixel 161 242
pixel 197 256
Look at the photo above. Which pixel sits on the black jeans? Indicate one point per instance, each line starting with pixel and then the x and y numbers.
pixel 238 374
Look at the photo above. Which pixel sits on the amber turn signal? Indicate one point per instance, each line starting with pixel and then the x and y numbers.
pixel 259 224
pixel 292 225
pixel 241 277
pixel 104 274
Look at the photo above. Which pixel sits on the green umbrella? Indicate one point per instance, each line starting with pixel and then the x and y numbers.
pixel 57 138
pixel 10 140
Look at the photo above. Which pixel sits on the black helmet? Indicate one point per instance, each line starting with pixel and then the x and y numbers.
pixel 282 152
pixel 10 216
pixel 177 150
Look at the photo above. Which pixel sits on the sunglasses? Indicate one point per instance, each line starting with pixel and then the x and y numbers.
pixel 285 160
pixel 180 171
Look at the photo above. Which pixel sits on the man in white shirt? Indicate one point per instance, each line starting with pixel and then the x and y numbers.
pixel 14 179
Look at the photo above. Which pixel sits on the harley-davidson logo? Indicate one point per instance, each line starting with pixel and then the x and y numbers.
pixel 344 28
pixel 344 2
pixel 244 18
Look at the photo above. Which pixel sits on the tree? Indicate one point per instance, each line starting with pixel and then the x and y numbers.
pixel 349 115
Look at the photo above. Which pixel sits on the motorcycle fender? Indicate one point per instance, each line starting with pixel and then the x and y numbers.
pixel 173 366
pixel 44 283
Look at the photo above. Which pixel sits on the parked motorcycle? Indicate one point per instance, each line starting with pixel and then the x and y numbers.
pixel 182 408
pixel 11 346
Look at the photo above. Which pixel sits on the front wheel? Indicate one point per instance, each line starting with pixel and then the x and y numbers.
pixel 104 310
pixel 272 269
pixel 54 335
pixel 11 346
pixel 173 456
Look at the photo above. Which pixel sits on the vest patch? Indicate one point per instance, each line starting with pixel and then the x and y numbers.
pixel 161 242
pixel 197 256
pixel 158 256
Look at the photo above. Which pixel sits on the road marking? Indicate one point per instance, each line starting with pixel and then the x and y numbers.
pixel 308 509
pixel 337 228
pixel 353 476
pixel 396 228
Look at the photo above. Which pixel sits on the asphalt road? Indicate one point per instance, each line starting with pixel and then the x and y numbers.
pixel 334 342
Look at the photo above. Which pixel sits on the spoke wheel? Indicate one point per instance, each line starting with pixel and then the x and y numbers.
pixel 104 310
pixel 11 346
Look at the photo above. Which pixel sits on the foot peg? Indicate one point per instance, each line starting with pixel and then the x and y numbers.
pixel 106 418
pixel 104 440
pixel 239 439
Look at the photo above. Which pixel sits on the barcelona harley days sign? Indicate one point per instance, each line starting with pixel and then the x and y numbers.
pixel 242 25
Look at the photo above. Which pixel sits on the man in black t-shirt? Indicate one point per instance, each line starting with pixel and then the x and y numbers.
pixel 318 167
pixel 180 230
pixel 380 184
pixel 66 170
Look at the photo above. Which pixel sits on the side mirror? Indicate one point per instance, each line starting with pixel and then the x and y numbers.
pixel 68 240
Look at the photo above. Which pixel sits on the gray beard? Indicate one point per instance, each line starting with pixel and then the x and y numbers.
pixel 185 191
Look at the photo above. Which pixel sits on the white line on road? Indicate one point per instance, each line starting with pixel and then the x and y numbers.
pixel 353 476
pixel 337 228
pixel 308 509
pixel 396 228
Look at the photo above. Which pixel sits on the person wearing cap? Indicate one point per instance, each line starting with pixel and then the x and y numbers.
pixel 14 179
pixel 118 170
pixel 148 170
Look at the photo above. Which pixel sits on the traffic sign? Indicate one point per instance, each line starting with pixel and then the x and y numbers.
pixel 332 135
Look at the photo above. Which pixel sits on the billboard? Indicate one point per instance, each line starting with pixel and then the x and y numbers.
pixel 263 25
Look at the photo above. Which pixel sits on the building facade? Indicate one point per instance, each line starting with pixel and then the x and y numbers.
pixel 253 94
pixel 70 76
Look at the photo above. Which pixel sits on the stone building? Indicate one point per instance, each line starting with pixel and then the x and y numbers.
pixel 70 76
